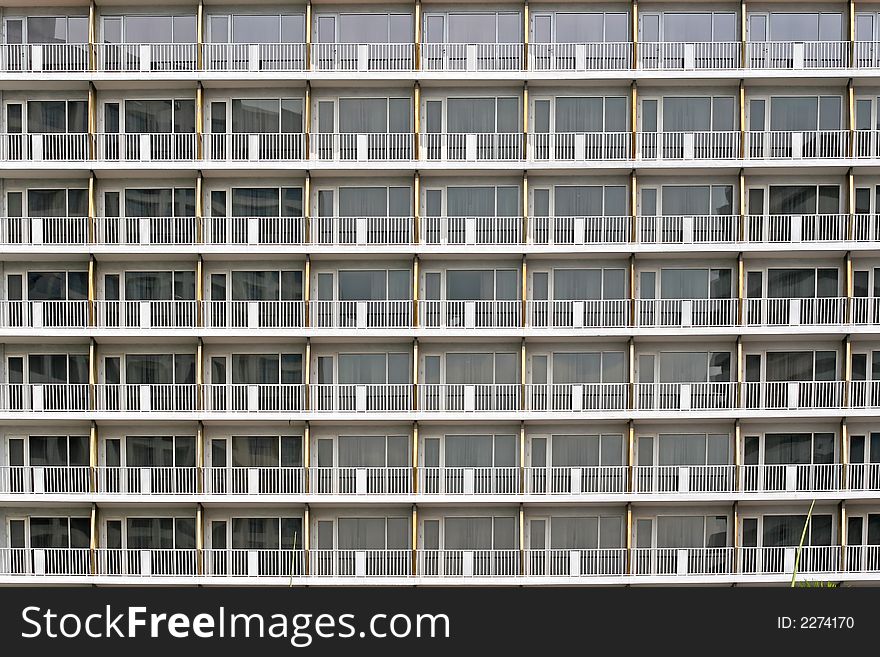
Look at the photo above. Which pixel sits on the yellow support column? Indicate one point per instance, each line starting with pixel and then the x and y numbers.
pixel 416 207
pixel 740 288
pixel 307 374
pixel 634 33
pixel 847 369
pixel 92 120
pixel 522 374
pixel 307 452
pixel 525 208
pixel 631 347
pixel 740 378
pixel 526 66
pixel 415 457
pixel 307 122
pixel 524 291
pixel 743 206
pixel 736 537
pixel 307 290
pixel 525 121
pixel 93 457
pixel 200 35
pixel 200 539
pixel 522 540
pixel 841 523
pixel 308 45
pixel 852 32
pixel 93 208
pixel 522 458
pixel 848 267
pixel 200 119
pixel 92 289
pixel 850 204
pixel 630 456
pixel 307 535
pixel 632 289
pixel 415 539
pixel 93 35
pixel 633 203
pixel 737 455
pixel 93 373
pixel 742 119
pixel 415 375
pixel 415 292
pixel 307 215
pixel 200 375
pixel 417 36
pixel 844 453
pixel 93 539
pixel 851 116
pixel 200 457
pixel 633 122
pixel 743 31
pixel 200 291
pixel 628 538
pixel 417 123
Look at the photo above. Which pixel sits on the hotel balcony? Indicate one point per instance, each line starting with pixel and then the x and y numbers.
pixel 610 565
pixel 763 481
pixel 434 398
pixel 138 58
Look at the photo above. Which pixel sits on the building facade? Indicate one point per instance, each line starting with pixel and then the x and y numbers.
pixel 431 293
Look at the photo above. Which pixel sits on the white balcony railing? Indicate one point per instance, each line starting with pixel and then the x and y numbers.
pixel 863 476
pixel 576 480
pixel 486 480
pixel 576 397
pixel 363 57
pixel 611 56
pixel 589 562
pixel 710 396
pixel 147 562
pixel 51 479
pixel 789 228
pixel 59 231
pixel 796 312
pixel 469 563
pixel 152 480
pixel 44 314
pixel 44 57
pixel 579 146
pixel 862 558
pixel 793 394
pixel 255 480
pixel 813 559
pixel 864 394
pixel 254 231
pixel 361 563
pixel 172 314
pixel 146 397
pixel 690 229
pixel 697 145
pixel 707 55
pixel 254 314
pixel 45 147
pixel 146 231
pixel 362 231
pixel 355 480
pixel 255 147
pixel 796 55
pixel 475 314
pixel 378 314
pixel 471 57
pixel 361 397
pixel 790 477
pixel 796 145
pixel 590 313
pixel 147 147
pixel 683 561
pixel 471 230
pixel 146 57
pixel 253 57
pixel 241 562
pixel 684 479
pixel 471 147
pixel 45 561
pixel 569 231
pixel 254 398
pixel 468 398
pixel 686 313
pixel 363 147
pixel 44 397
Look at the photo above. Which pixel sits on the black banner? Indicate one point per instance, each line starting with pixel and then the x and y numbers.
pixel 435 621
